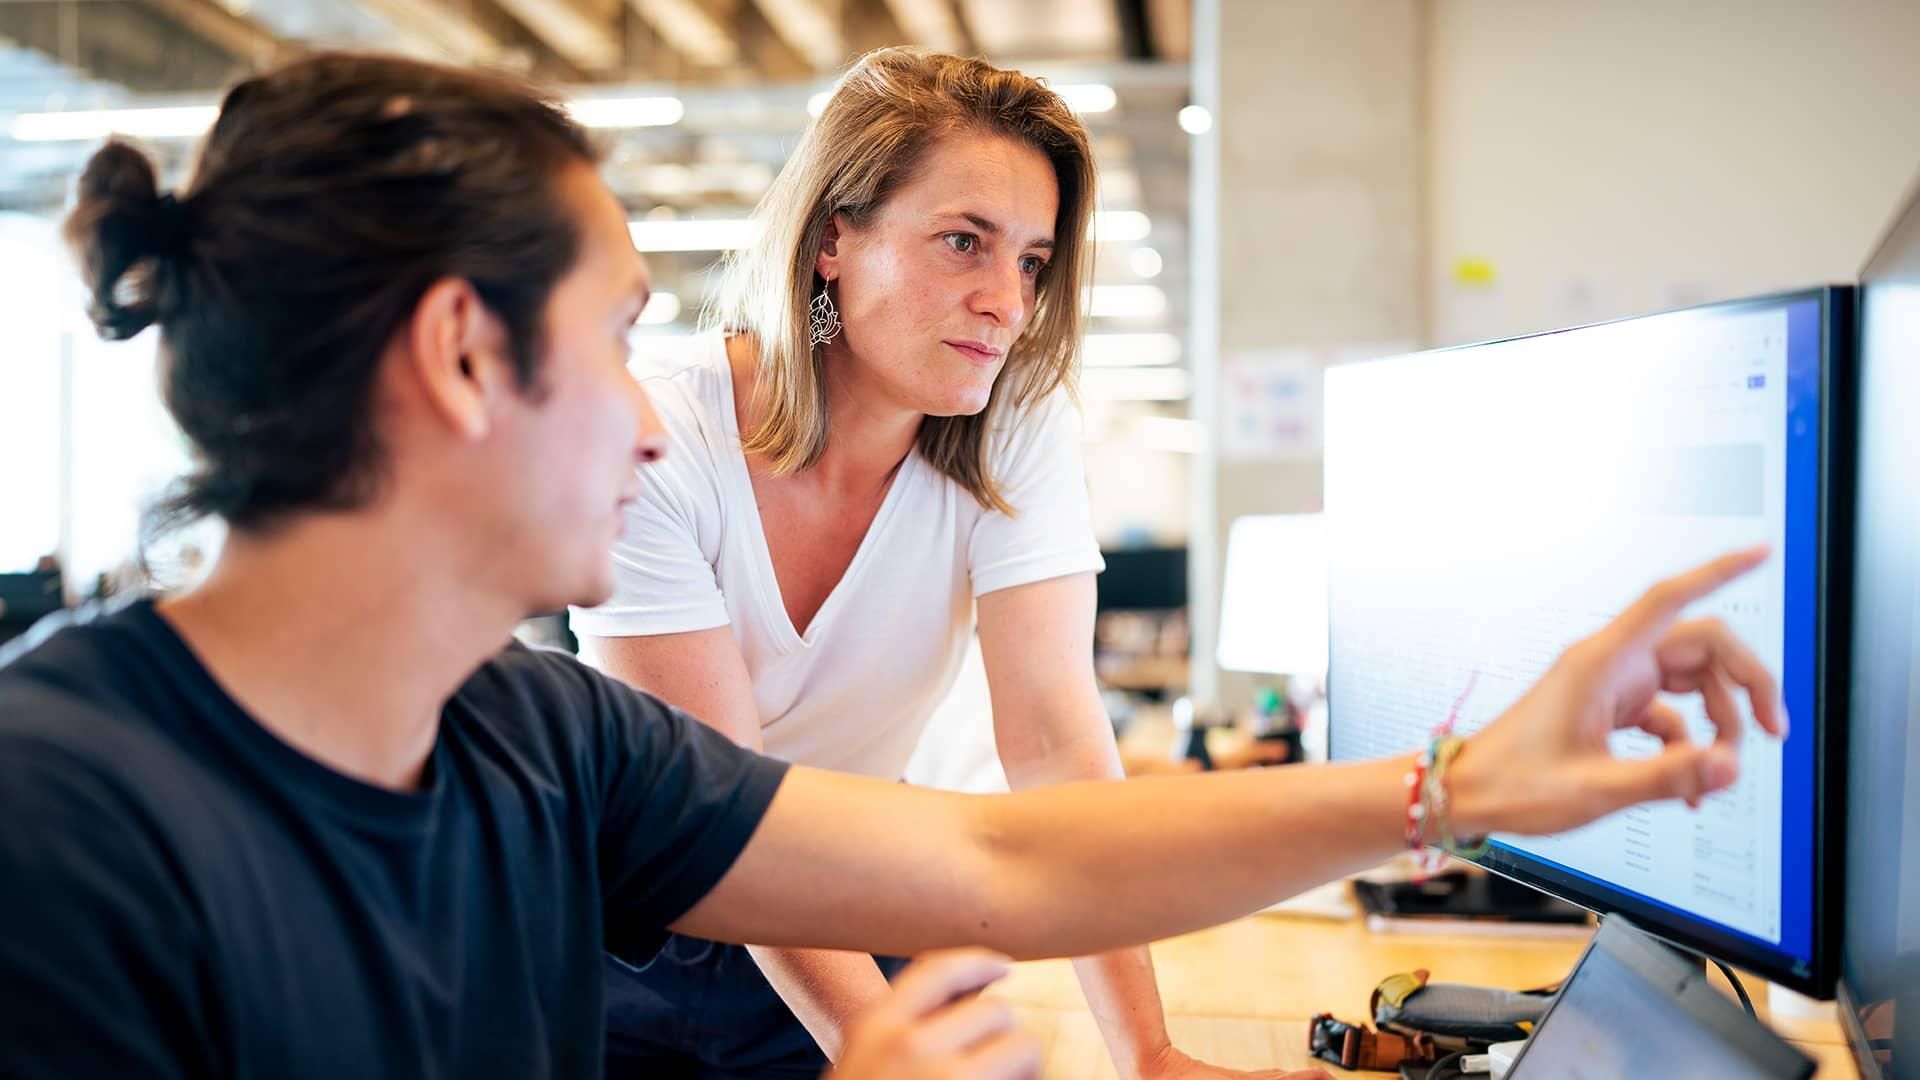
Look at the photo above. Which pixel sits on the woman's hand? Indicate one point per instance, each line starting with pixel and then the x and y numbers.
pixel 933 1025
pixel 1544 765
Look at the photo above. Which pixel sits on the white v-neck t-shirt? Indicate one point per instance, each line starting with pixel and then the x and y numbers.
pixel 854 693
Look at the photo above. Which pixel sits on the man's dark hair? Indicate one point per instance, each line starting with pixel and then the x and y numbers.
pixel 330 194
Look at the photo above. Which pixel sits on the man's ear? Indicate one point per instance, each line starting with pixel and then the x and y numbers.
pixel 456 352
pixel 826 262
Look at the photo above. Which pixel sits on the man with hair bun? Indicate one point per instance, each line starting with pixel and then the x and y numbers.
pixel 320 816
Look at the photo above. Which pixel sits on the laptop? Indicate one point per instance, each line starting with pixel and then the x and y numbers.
pixel 1634 1008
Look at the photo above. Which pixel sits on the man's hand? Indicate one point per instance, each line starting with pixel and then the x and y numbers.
pixel 1544 765
pixel 933 1026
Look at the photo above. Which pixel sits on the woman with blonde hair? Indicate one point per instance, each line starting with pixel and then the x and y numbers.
pixel 873 440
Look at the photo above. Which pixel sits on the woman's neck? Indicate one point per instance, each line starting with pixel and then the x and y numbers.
pixel 868 436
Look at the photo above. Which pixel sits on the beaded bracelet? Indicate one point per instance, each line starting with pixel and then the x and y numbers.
pixel 1429 817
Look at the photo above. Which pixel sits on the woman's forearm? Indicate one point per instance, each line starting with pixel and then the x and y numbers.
pixel 826 989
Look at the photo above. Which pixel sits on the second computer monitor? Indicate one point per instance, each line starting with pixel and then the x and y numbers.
pixel 1487 506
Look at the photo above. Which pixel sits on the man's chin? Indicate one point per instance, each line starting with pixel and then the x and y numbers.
pixel 599 592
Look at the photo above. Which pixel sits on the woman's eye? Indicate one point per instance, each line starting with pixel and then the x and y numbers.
pixel 1031 265
pixel 962 242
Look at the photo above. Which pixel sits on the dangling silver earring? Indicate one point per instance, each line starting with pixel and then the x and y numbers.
pixel 823 322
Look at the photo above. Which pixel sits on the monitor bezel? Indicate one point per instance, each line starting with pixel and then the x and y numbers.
pixel 1831 665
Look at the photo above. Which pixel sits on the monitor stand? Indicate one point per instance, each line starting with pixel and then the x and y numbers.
pixel 1466 894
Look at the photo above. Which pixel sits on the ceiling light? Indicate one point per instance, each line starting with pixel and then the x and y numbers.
pixel 1124 226
pixel 693 234
pixel 1129 350
pixel 1129 302
pixel 1195 120
pixel 1145 262
pixel 1175 434
pixel 1137 384
pixel 163 123
pixel 1088 97
pixel 633 112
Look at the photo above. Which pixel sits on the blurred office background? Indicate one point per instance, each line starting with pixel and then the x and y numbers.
pixel 1286 183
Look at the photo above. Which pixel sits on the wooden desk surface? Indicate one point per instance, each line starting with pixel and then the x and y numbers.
pixel 1240 995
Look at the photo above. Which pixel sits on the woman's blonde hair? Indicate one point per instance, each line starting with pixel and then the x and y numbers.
pixel 869 141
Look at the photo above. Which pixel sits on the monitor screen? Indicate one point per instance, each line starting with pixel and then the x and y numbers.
pixel 1487 506
pixel 1143 579
pixel 1880 957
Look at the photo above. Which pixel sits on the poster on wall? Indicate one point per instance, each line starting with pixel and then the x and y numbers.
pixel 1270 399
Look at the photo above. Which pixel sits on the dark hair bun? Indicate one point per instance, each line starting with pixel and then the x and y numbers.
pixel 125 234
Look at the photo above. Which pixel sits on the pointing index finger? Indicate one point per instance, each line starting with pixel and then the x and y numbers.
pixel 1659 606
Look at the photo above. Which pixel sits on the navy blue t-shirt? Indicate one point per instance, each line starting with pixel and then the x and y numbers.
pixel 183 894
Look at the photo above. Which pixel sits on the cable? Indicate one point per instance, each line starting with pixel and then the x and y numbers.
pixel 1738 989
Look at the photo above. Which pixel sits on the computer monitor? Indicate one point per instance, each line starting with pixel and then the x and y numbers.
pixel 1273 597
pixel 1487 506
pixel 1880 954
pixel 1143 579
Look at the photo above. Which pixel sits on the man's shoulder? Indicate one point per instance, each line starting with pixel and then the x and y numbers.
pixel 74 678
pixel 549 700
pixel 86 748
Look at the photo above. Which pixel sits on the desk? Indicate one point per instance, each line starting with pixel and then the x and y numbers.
pixel 1240 995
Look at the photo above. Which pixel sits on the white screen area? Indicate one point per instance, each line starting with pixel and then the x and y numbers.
pixel 1487 507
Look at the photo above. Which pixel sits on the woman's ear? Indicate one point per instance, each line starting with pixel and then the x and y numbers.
pixel 827 262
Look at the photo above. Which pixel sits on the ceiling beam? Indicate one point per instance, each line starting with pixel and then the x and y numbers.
pixel 932 23
pixel 581 31
pixel 240 37
pixel 1170 23
pixel 692 29
pixel 866 25
pixel 453 34
pixel 810 28
pixel 773 59
pixel 132 44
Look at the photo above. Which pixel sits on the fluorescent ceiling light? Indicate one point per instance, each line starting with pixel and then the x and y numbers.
pixel 693 234
pixel 1137 384
pixel 1088 97
pixel 162 123
pixel 1129 302
pixel 1175 434
pixel 1124 226
pixel 187 121
pixel 1129 350
pixel 633 112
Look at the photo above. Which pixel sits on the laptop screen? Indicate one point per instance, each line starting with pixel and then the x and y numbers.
pixel 1634 1008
